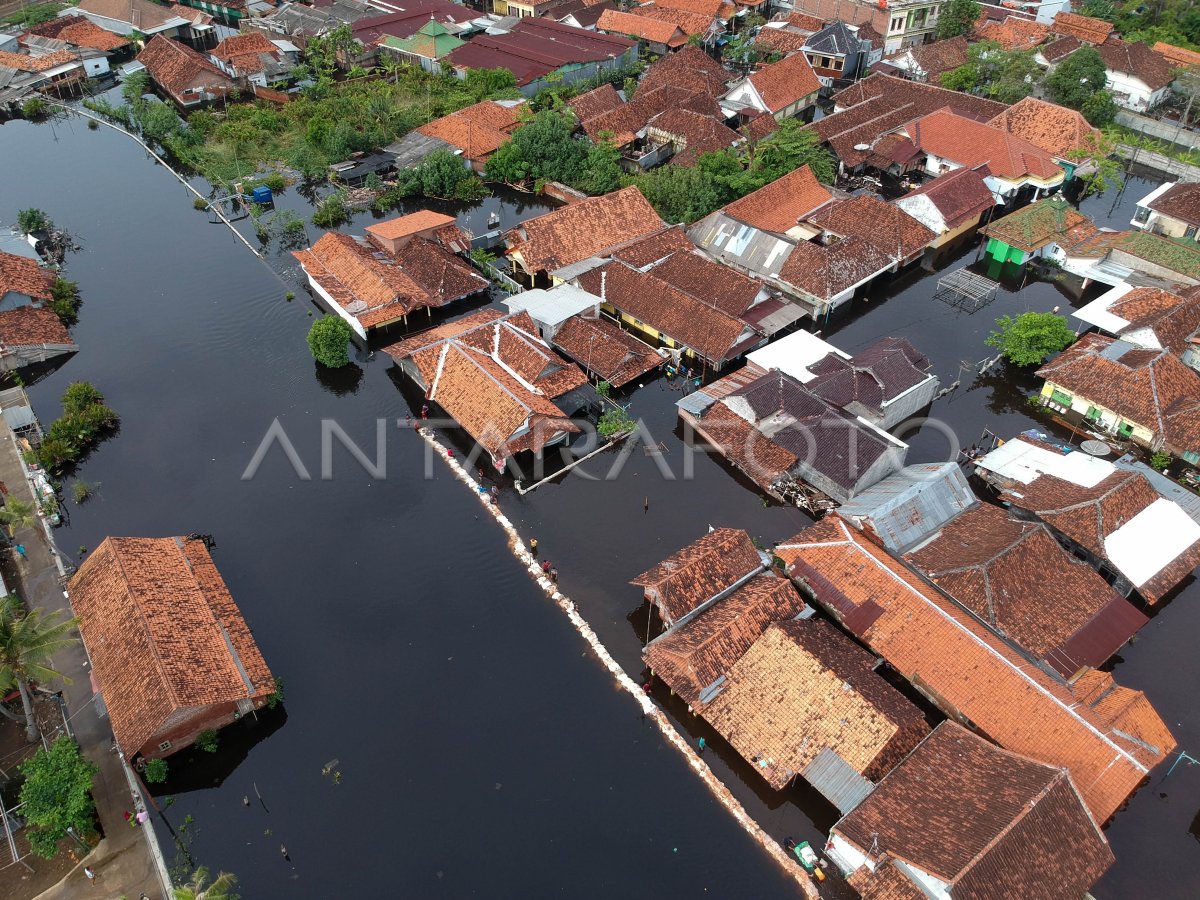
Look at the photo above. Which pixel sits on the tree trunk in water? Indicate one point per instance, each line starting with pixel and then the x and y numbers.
pixel 31 729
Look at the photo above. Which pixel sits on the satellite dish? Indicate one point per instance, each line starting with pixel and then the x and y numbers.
pixel 862 147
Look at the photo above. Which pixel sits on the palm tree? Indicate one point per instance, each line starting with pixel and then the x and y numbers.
pixel 218 890
pixel 16 514
pixel 27 642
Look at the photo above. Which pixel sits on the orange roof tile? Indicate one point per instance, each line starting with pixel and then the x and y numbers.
pixel 698 572
pixel 477 130
pixel 603 348
pixel 1014 33
pixel 580 230
pixel 689 23
pixel 26 63
pixel 1177 57
pixel 86 33
pixel 163 634
pixel 1048 126
pixel 24 276
pixel 803 688
pixel 788 81
pixel 402 226
pixel 970 143
pixel 27 325
pixel 968 670
pixel 781 204
pixel 1085 28
pixel 633 25
pixel 710 8
pixel 176 67
pixel 691 69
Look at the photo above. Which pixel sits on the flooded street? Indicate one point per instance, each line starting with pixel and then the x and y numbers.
pixel 482 750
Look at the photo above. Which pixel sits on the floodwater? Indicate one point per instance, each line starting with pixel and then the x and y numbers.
pixel 481 751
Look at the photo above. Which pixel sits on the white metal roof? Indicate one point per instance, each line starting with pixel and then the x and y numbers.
pixel 793 355
pixel 1023 462
pixel 1096 313
pixel 1152 539
pixel 555 306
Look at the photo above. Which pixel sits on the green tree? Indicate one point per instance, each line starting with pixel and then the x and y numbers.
pixel 199 888
pixel 57 795
pixel 33 219
pixel 329 341
pixel 17 514
pixel 1002 75
pixel 601 169
pixel 79 397
pixel 65 300
pixel 791 147
pixel 28 640
pixel 1099 109
pixel 1077 77
pixel 1031 338
pixel 156 771
pixel 957 17
pixel 680 193
pixel 541 150
pixel 440 174
pixel 491 83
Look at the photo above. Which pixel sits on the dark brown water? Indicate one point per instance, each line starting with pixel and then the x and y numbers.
pixel 482 751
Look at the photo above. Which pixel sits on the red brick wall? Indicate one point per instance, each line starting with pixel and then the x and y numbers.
pixel 183 733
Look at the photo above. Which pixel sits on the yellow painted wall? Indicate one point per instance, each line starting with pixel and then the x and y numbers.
pixel 1140 434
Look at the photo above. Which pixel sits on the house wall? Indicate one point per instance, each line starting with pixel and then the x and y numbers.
pixel 1131 92
pixel 185 725
pixel 1121 258
pixel 907 404
pixel 1101 416
pixel 94 66
pixel 1165 225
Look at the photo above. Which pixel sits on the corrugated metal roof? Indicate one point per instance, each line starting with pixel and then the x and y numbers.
pixel 837 781
pixel 906 508
pixel 1165 486
pixel 555 306
pixel 757 251
pixel 1094 643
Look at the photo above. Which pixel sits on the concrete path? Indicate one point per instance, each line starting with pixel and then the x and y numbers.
pixel 125 860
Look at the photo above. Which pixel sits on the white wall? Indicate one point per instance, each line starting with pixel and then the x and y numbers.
pixel 337 308
pixel 924 211
pixel 1131 92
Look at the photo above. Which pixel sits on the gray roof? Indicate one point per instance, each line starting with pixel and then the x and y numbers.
pixel 1165 487
pixel 837 781
pixel 724 237
pixel 414 147
pixel 910 506
pixel 835 39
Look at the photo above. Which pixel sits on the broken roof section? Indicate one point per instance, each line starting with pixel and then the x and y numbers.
pixel 605 350
pixel 804 692
pixel 908 507
pixel 1107 736
pixel 1015 577
pixel 687 579
pixel 960 811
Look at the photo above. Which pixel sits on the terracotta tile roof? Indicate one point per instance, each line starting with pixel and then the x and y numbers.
pixel 1088 516
pixel 26 326
pixel 881 103
pixel 1057 51
pixel 1172 319
pixel 1047 221
pixel 603 348
pixel 1085 28
pixel 402 226
pixel 595 102
pixel 252 42
pixel 693 133
pixel 691 69
pixel 970 143
pixel 710 8
pixel 698 572
pixel 26 63
pixel 1014 33
pixel 885 226
pixel 761 126
pixel 872 377
pixel 85 33
pixel 706 330
pixel 804 687
pixel 721 287
pixel 783 203
pixel 970 671
pixel 653 248
pixel 654 30
pixel 584 229
pixel 961 809
pixel 941 56
pixel 884 882
pixel 960 196
pixel 176 68
pixel 1150 388
pixel 1014 575
pixel 477 130
pixel 826 270
pixel 689 23
pixel 1051 127
pixel 1180 201
pixel 747 448
pixel 1138 60
pixel 627 120
pixel 163 634
pixel 803 21
pixel 24 276
pixel 496 377
pixel 782 40
pixel 692 656
pixel 144 14
pixel 1177 57
pixel 783 83
pixel 442 275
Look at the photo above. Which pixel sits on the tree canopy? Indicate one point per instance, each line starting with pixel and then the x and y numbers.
pixel 57 795
pixel 990 70
pixel 33 219
pixel 1077 78
pixel 199 888
pixel 1031 338
pixel 329 341
pixel 543 149
pixel 957 17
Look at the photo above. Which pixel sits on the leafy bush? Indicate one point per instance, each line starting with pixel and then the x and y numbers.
pixel 155 771
pixel 199 203
pixel 331 212
pixel 329 341
pixel 614 422
pixel 82 490
pixel 1160 460
pixel 1032 337
pixel 65 300
pixel 34 108
pixel 57 795
pixel 32 219
pixel 276 696
pixel 207 740
pixel 84 420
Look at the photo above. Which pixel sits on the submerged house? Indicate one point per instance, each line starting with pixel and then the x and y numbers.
pixel 1015 577
pixel 1108 737
pixel 962 818
pixel 908 508
pixel 1149 318
pixel 804 701
pixel 476 132
pixel 950 205
pixel 1063 133
pixel 498 379
pixel 170 652
pixel 372 286
pixel 1114 518
pixel 186 77
pixel 783 89
pixel 1172 209
pixel 30 330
